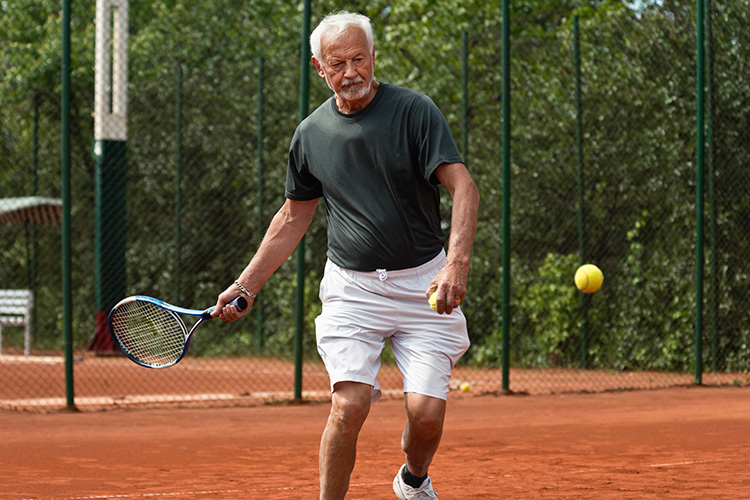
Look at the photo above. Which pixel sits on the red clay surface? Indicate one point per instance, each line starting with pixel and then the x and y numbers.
pixel 679 443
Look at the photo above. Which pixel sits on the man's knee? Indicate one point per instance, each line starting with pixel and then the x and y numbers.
pixel 426 424
pixel 350 405
pixel 426 415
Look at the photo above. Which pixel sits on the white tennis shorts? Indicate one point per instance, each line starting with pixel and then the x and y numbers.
pixel 362 309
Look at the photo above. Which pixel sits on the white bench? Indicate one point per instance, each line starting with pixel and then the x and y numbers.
pixel 15 310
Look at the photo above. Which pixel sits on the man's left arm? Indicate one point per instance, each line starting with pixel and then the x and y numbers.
pixel 452 280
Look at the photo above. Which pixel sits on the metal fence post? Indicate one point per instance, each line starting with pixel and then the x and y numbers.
pixel 178 190
pixel 304 99
pixel 699 209
pixel 585 298
pixel 506 195
pixel 465 95
pixel 66 227
pixel 259 301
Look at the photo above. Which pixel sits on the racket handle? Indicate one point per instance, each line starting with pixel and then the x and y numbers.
pixel 240 303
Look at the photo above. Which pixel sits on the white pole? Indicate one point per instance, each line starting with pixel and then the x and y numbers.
pixel 111 70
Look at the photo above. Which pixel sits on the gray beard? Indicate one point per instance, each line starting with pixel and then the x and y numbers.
pixel 351 93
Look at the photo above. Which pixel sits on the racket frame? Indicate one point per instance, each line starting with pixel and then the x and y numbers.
pixel 173 311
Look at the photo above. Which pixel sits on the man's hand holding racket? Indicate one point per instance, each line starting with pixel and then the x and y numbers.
pixel 226 311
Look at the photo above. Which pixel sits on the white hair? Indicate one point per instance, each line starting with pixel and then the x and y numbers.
pixel 335 24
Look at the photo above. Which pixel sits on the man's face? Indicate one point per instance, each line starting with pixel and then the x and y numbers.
pixel 348 65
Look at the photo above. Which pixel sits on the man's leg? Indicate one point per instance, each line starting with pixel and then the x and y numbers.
pixel 423 431
pixel 350 404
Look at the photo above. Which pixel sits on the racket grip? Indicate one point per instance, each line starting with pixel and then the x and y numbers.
pixel 240 303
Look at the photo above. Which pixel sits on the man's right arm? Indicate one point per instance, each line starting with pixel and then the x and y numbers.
pixel 283 235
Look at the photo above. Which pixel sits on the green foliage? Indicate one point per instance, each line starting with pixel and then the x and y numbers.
pixel 638 122
pixel 550 304
pixel 545 303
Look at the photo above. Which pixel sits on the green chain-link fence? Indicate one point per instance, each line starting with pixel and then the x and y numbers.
pixel 173 203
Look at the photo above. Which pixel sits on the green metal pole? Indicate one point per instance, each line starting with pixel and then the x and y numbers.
pixel 178 192
pixel 585 298
pixel 506 194
pixel 261 226
pixel 713 305
pixel 304 100
pixel 699 209
pixel 66 226
pixel 35 191
pixel 35 152
pixel 465 95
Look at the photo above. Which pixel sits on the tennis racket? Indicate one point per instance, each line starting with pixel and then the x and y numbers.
pixel 151 332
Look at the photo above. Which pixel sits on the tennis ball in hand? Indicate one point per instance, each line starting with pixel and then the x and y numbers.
pixel 589 278
pixel 433 301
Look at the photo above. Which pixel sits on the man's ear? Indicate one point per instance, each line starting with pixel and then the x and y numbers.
pixel 318 67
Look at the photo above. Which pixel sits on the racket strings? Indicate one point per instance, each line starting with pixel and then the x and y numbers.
pixel 150 334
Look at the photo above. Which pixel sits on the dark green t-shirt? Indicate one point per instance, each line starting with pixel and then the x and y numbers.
pixel 374 168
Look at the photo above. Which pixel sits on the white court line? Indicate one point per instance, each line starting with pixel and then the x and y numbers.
pixel 110 401
pixel 40 360
pixel 159 495
pixel 657 466
pixel 170 398
pixel 690 462
pixel 180 493
pixel 141 495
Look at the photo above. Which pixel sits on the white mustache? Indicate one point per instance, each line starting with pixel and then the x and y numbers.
pixel 347 82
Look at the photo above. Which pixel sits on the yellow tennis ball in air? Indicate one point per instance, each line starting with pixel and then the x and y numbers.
pixel 465 387
pixel 589 278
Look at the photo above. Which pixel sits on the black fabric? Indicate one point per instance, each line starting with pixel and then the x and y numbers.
pixel 375 170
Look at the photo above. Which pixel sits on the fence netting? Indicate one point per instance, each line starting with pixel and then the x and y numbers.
pixel 171 198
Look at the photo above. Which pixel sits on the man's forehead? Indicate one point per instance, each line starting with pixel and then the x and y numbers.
pixel 351 40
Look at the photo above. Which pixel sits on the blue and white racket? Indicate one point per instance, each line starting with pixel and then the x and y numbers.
pixel 151 333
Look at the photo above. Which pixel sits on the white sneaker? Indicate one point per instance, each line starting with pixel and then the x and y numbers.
pixel 405 492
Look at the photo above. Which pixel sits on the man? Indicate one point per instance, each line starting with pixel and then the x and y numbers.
pixel 376 153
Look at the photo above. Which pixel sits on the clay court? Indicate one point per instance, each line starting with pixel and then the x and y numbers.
pixel 678 443
pixel 614 133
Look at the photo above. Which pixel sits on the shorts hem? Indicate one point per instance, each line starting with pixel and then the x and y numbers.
pixel 350 377
pixel 375 392
pixel 428 392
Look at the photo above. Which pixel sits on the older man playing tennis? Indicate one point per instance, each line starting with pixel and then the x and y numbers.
pixel 376 153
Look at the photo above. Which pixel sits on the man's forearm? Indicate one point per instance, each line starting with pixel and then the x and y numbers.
pixel 463 225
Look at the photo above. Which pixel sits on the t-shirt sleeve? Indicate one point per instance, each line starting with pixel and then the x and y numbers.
pixel 301 185
pixel 433 139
